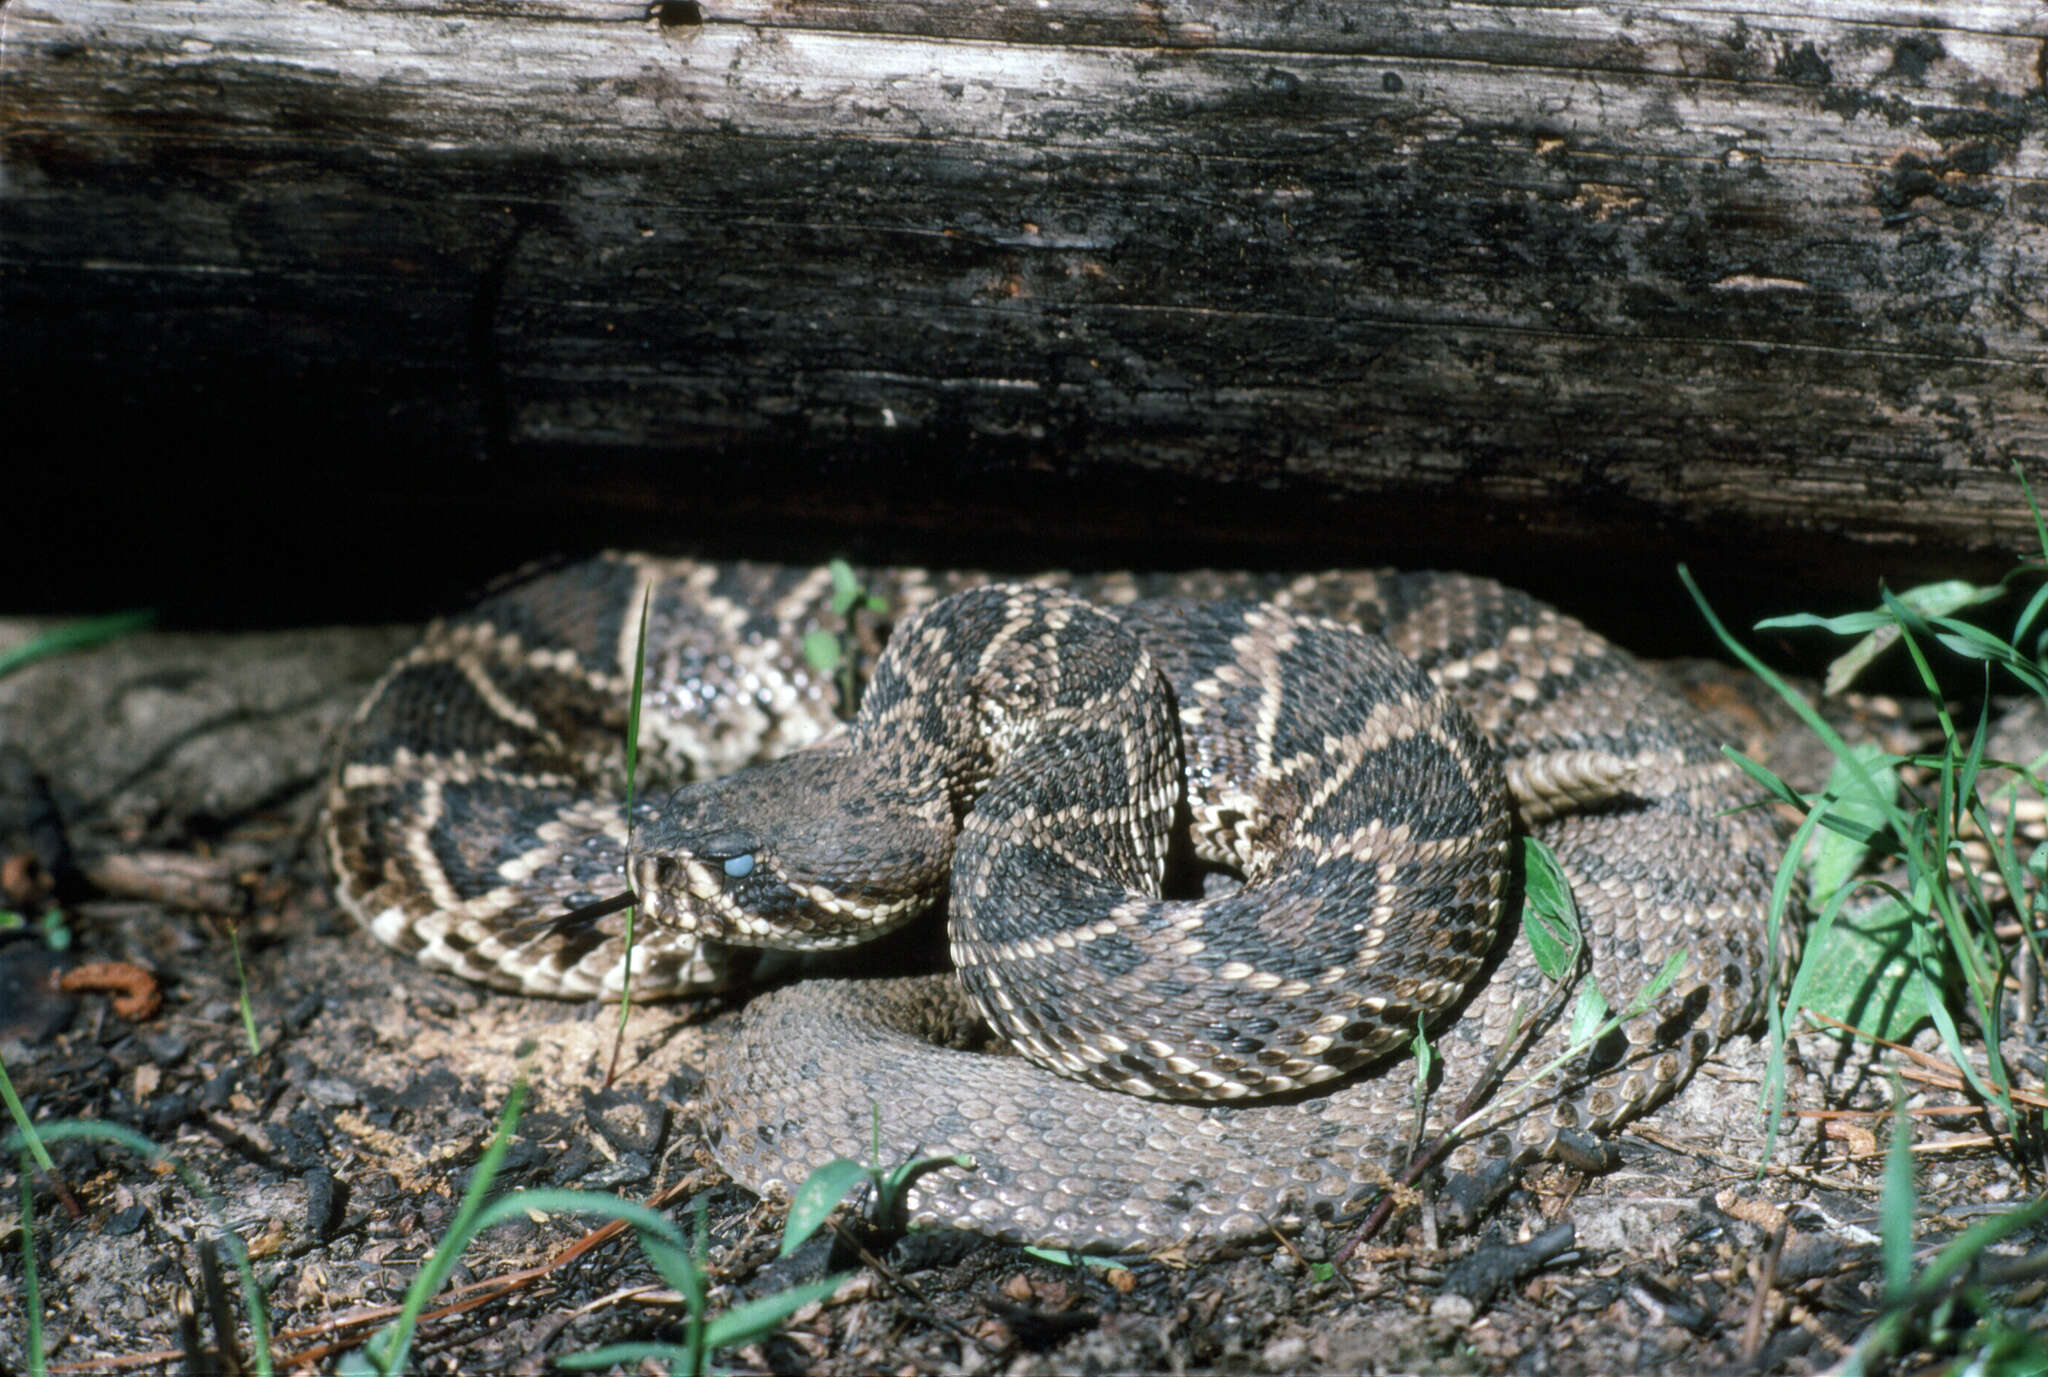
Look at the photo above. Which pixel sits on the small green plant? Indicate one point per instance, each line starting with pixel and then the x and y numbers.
pixel 826 1186
pixel 1951 1305
pixel 1550 924
pixel 681 1266
pixel 831 652
pixel 242 992
pixel 1933 935
pixel 51 927
pixel 685 1272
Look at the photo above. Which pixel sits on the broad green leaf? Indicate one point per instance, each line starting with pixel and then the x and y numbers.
pixel 1550 920
pixel 1425 1055
pixel 1587 1016
pixel 1863 973
pixel 846 590
pixel 820 1193
pixel 1838 852
pixel 1060 1257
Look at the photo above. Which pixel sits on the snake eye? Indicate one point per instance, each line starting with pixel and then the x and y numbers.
pixel 740 866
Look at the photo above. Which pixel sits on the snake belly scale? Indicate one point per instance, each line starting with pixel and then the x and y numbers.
pixel 1194 1071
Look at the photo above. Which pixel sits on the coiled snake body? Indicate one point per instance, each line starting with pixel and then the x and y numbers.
pixel 1195 1070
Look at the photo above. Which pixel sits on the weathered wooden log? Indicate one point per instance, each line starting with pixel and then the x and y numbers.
pixel 1503 284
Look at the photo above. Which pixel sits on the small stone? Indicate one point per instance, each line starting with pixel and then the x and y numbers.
pixel 631 1167
pixel 1453 1311
pixel 305 1011
pixel 1284 1353
pixel 1018 1288
pixel 166 1049
pixel 217 1091
pixel 332 1092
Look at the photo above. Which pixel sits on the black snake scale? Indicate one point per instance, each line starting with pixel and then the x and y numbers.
pixel 480 794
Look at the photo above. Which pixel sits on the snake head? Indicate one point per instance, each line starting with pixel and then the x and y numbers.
pixel 805 853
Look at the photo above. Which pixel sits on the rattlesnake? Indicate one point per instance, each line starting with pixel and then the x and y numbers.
pixel 480 796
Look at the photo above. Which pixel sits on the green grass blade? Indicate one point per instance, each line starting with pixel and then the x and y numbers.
pixel 559 1200
pixel 632 781
pixel 1866 769
pixel 2027 616
pixel 31 1292
pixel 1654 991
pixel 630 1356
pixel 756 1318
pixel 697 1351
pixel 672 1261
pixel 2027 490
pixel 1778 1012
pixel 242 985
pixel 391 1359
pixel 76 636
pixel 1895 1201
pixel 1063 1257
pixel 1792 698
pixel 1973 764
pixel 1912 631
pixel 24 1134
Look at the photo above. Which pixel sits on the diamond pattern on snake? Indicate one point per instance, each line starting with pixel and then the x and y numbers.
pixel 1208 846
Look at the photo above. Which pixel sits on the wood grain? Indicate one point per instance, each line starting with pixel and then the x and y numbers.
pixel 1513 282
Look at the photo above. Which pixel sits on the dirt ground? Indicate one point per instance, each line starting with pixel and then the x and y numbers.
pixel 183 769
